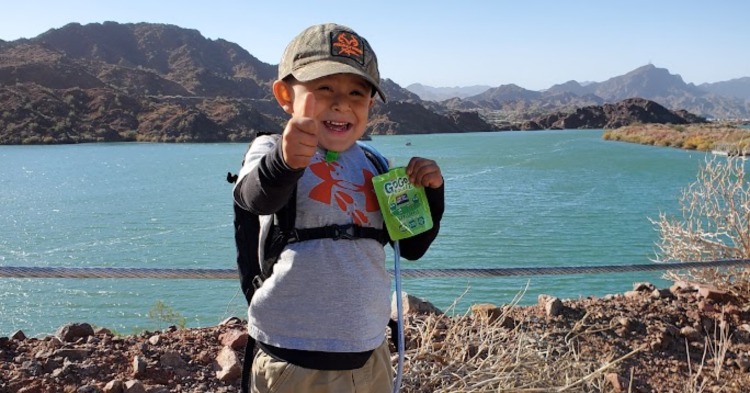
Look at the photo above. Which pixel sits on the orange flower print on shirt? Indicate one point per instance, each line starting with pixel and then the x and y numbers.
pixel 341 192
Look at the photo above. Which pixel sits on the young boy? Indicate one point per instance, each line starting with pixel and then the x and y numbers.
pixel 320 319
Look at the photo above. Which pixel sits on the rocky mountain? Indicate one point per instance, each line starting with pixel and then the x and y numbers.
pixel 657 84
pixel 723 100
pixel 156 82
pixel 394 92
pixel 620 114
pixel 737 88
pixel 510 105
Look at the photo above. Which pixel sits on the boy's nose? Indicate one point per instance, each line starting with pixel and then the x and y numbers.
pixel 339 103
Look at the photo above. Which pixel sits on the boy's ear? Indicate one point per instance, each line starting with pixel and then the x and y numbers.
pixel 284 95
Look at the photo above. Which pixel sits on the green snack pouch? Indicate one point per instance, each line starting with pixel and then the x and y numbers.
pixel 404 205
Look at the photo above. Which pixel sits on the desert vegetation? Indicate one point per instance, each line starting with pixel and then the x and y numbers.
pixel 704 137
pixel 714 225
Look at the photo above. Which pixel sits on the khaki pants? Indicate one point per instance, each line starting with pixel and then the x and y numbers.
pixel 274 376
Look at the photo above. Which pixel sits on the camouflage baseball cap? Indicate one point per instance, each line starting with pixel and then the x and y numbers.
pixel 328 49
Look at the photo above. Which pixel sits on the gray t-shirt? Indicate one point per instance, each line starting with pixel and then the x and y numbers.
pixel 325 295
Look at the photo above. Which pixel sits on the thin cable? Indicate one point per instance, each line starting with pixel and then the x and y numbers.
pixel 231 274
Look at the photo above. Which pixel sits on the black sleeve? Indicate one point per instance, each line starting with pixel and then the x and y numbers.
pixel 268 186
pixel 415 247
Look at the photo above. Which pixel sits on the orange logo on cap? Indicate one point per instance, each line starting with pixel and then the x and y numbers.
pixel 347 45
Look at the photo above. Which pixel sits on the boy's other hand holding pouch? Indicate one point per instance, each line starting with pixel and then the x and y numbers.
pixel 300 137
pixel 424 172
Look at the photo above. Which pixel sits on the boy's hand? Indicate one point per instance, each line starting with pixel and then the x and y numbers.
pixel 300 138
pixel 424 172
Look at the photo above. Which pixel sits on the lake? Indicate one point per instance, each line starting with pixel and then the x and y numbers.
pixel 513 199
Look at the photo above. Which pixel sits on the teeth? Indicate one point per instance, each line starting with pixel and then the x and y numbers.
pixel 339 126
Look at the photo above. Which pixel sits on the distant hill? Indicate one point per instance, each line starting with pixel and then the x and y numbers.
pixel 619 114
pixel 737 88
pixel 657 84
pixel 430 93
pixel 721 100
pixel 156 82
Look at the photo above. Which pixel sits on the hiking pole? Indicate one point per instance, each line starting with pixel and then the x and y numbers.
pixel 399 316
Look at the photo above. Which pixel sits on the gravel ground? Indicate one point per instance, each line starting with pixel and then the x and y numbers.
pixel 682 339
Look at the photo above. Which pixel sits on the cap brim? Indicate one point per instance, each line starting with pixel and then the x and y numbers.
pixel 320 69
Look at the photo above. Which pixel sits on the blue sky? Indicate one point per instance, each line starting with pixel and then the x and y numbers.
pixel 534 44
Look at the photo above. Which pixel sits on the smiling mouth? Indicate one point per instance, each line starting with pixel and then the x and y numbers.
pixel 337 126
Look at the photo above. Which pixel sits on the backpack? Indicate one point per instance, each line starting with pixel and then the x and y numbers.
pixel 253 272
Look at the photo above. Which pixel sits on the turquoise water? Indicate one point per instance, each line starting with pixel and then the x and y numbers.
pixel 513 199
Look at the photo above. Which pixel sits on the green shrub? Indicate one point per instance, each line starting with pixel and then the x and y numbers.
pixel 163 313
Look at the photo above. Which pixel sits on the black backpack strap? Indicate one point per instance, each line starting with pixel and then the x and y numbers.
pixel 377 159
pixel 247 365
pixel 277 238
pixel 338 232
pixel 246 227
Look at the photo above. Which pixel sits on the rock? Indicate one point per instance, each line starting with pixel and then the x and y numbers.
pixel 18 336
pixel 236 339
pixel 492 313
pixel 617 382
pixel 691 334
pixel 553 306
pixel 661 294
pixel 72 354
pixel 32 367
pixel 713 294
pixel 628 324
pixel 114 386
pixel 100 331
pixel 134 386
pixel 413 305
pixel 172 359
pixel 231 321
pixel 706 306
pixel 632 295
pixel 486 310
pixel 88 389
pixel 139 366
pixel 682 287
pixel 74 331
pixel 229 365
pixel 643 287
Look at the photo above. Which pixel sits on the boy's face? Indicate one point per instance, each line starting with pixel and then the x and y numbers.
pixel 342 106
